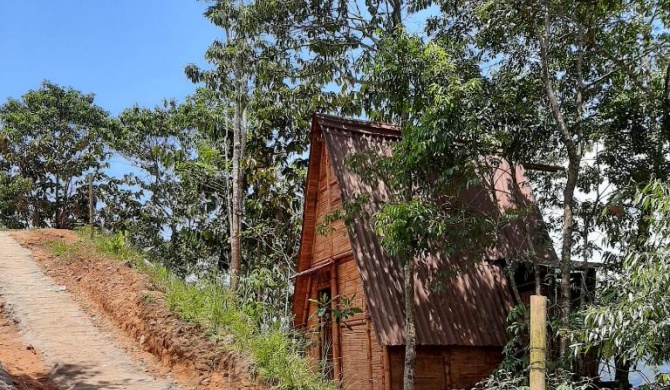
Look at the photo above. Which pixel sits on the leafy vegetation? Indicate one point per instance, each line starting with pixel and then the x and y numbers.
pixel 51 141
pixel 630 320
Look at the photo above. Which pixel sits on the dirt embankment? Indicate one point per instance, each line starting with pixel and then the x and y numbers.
pixel 22 363
pixel 129 300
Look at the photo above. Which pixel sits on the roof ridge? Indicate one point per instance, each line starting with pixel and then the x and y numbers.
pixel 357 125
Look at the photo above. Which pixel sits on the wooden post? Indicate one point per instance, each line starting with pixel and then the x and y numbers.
pixel 387 368
pixel 447 369
pixel 538 341
pixel 305 312
pixel 90 203
pixel 368 331
pixel 335 327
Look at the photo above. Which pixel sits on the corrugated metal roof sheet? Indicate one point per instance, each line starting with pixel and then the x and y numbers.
pixel 472 307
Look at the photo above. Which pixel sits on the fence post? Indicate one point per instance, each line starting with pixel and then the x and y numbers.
pixel 538 341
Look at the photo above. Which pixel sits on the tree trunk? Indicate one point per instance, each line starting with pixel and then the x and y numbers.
pixel 574 159
pixel 91 207
pixel 666 102
pixel 36 212
pixel 410 328
pixel 237 196
pixel 583 294
pixel 622 370
pixel 65 203
pixel 566 250
pixel 57 204
pixel 239 140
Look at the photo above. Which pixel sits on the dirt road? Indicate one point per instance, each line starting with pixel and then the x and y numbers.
pixel 51 322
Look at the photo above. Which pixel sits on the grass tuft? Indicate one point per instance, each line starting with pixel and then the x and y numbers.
pixel 59 248
pixel 64 250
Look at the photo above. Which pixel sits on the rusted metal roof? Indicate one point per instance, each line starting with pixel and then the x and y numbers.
pixel 472 307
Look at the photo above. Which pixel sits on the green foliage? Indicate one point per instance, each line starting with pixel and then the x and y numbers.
pixel 516 353
pixel 582 84
pixel 59 248
pixel 255 113
pixel 343 309
pixel 284 370
pixel 406 228
pixel 512 380
pixel 324 227
pixel 177 206
pixel 630 318
pixel 13 200
pixel 661 381
pixel 115 244
pixel 161 197
pixel 423 87
pixel 51 141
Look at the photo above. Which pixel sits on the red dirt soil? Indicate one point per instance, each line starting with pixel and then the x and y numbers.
pixel 133 304
pixel 23 362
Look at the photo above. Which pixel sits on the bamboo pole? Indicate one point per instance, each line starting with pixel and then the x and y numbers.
pixel 305 312
pixel 90 203
pixel 538 341
pixel 368 331
pixel 386 361
pixel 447 368
pixel 335 332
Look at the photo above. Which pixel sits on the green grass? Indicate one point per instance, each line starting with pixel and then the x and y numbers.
pixel 59 248
pixel 64 250
pixel 275 354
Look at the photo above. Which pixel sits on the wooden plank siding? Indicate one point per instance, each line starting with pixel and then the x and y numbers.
pixel 441 367
pixel 329 201
pixel 361 358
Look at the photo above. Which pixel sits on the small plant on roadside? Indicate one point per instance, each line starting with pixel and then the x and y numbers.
pixel 59 248
pixel 503 379
pixel 115 244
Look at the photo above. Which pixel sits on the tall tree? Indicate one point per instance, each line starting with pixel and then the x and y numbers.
pixel 257 78
pixel 53 139
pixel 568 57
pixel 319 45
pixel 181 213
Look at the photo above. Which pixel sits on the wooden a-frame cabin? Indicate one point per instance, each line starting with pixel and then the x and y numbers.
pixel 461 329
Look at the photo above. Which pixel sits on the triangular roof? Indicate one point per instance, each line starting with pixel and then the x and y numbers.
pixel 472 308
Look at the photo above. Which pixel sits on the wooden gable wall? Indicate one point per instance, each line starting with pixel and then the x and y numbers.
pixel 358 355
pixel 336 242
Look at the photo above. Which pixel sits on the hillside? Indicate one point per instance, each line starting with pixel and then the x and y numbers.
pixel 132 309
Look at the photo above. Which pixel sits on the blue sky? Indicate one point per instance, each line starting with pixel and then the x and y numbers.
pixel 124 51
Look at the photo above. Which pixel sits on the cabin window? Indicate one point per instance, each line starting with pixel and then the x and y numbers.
pixel 325 333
